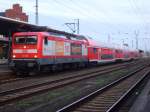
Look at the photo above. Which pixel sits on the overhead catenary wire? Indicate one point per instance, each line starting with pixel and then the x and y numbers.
pixel 75 9
pixel 87 10
pixel 75 6
pixel 101 11
pixel 136 11
pixel 143 20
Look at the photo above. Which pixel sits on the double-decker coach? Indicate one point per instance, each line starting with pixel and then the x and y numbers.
pixel 100 53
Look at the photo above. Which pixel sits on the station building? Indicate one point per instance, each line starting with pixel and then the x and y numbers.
pixel 15 13
pixel 3 47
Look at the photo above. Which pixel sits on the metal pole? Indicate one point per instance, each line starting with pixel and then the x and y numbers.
pixel 132 43
pixel 136 37
pixel 136 42
pixel 145 47
pixel 123 41
pixel 108 38
pixel 78 26
pixel 36 13
pixel 69 25
pixel 9 46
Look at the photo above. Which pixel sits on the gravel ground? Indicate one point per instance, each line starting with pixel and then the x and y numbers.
pixel 4 68
pixel 142 103
pixel 45 77
pixel 52 100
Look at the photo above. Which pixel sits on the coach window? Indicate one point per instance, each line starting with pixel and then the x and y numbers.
pixel 117 51
pixel 94 50
pixel 45 40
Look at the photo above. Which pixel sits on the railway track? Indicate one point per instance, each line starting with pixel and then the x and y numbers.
pixel 109 97
pixel 26 91
pixel 12 78
pixel 7 76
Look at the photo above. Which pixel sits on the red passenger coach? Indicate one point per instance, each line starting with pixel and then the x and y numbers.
pixel 126 55
pixel 134 54
pixel 107 54
pixel 119 54
pixel 35 50
pixel 98 53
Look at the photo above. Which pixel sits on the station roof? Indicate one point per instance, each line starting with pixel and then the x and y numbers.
pixel 9 26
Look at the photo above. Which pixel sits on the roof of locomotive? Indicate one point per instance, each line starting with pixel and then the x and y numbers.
pixel 31 33
pixel 59 35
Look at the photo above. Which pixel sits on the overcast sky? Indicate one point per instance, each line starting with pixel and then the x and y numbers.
pixel 99 19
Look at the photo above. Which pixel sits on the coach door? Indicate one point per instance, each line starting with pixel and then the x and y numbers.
pixel 94 54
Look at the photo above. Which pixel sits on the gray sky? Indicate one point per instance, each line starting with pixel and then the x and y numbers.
pixel 98 18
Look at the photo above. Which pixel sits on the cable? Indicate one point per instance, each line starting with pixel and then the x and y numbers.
pixel 139 10
pixel 85 14
pixel 133 6
pixel 102 11
pixel 87 10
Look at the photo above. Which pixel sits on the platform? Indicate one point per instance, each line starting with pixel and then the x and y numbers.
pixel 142 103
pixel 3 61
pixel 4 68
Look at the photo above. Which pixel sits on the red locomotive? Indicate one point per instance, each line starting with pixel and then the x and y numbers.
pixel 35 51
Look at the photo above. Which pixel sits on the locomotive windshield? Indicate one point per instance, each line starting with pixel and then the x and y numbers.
pixel 26 39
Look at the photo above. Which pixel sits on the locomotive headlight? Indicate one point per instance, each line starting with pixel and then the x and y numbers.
pixel 14 56
pixel 24 46
pixel 35 56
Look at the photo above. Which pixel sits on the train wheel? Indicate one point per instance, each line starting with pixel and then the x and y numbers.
pixel 81 65
pixel 66 66
pixel 74 66
pixel 20 73
pixel 59 67
pixel 32 73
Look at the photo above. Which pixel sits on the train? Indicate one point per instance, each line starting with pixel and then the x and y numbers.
pixel 39 51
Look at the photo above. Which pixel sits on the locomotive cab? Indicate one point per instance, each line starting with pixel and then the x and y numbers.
pixel 25 52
